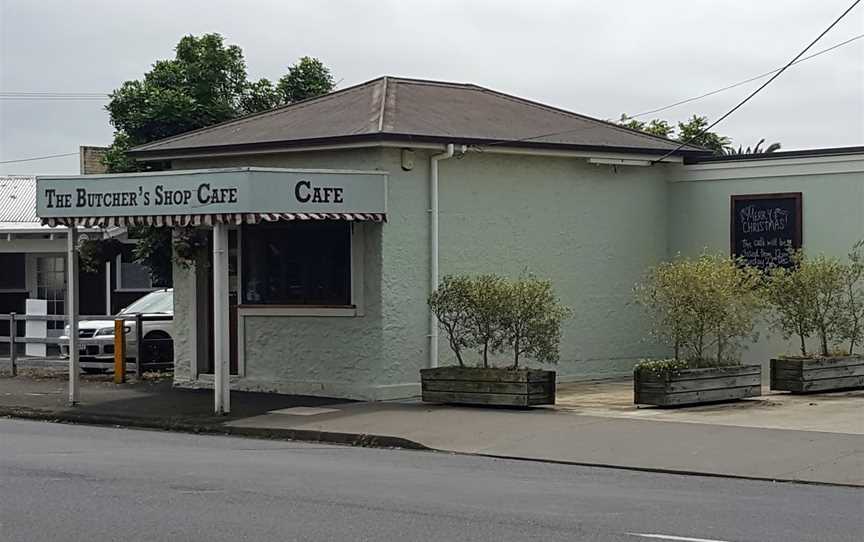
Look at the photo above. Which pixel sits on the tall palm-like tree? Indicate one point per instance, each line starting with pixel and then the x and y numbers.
pixel 753 150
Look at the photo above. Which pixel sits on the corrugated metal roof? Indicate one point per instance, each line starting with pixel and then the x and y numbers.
pixel 18 200
pixel 391 108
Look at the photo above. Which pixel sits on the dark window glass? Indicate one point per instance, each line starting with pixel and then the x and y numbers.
pixel 297 263
pixel 12 275
pixel 133 275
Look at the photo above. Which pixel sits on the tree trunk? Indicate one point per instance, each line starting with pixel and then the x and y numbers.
pixel 803 345
pixel 516 354
pixel 486 354
pixel 719 349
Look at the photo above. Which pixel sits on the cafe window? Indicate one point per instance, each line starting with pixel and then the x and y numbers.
pixel 13 275
pixel 131 275
pixel 297 263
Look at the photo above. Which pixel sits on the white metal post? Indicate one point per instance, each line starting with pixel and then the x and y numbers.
pixel 108 287
pixel 72 313
pixel 221 381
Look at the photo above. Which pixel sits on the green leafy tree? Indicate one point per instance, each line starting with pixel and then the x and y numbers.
pixel 452 306
pixel 757 149
pixel 807 299
pixel 693 132
pixel 703 308
pixel 204 84
pixel 307 78
pixel 489 313
pixel 470 310
pixel 532 320
pixel 658 127
pixel 488 310
pixel 853 301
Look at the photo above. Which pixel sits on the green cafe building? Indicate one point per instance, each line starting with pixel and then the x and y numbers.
pixel 332 219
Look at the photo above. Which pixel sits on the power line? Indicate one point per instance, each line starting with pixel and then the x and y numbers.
pixel 49 93
pixel 34 158
pixel 763 85
pixel 745 81
pixel 688 100
pixel 52 96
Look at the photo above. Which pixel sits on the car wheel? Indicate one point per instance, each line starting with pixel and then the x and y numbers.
pixel 157 350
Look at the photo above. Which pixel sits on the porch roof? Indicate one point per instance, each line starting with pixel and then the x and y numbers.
pixel 211 196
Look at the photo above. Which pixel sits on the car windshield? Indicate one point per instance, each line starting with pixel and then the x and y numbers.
pixel 154 302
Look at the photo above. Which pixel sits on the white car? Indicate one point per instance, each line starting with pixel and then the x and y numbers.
pixel 96 337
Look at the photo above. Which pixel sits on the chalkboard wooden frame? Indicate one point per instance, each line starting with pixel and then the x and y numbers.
pixel 797 234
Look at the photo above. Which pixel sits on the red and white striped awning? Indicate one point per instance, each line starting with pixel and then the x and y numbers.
pixel 205 220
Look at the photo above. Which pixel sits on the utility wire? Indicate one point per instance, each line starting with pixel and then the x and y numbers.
pixel 49 93
pixel 762 86
pixel 688 100
pixel 745 81
pixel 34 158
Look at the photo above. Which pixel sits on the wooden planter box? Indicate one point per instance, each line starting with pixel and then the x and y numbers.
pixel 499 387
pixel 807 375
pixel 695 386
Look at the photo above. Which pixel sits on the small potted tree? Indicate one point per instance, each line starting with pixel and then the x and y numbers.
pixel 702 309
pixel 819 297
pixel 492 315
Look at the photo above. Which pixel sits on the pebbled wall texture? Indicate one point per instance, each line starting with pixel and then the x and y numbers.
pixel 832 191
pixel 592 229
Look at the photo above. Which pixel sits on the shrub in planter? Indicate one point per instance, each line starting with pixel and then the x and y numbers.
pixel 704 309
pixel 494 315
pixel 821 297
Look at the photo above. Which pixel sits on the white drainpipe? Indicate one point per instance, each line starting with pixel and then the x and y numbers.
pixel 433 246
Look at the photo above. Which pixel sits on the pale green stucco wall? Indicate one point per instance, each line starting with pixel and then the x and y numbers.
pixel 591 229
pixel 329 356
pixel 832 204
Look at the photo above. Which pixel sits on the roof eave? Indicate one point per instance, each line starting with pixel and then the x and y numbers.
pixel 376 138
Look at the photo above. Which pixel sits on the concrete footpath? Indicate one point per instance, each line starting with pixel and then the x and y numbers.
pixel 816 438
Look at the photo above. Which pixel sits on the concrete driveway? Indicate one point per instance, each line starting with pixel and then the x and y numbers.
pixel 840 412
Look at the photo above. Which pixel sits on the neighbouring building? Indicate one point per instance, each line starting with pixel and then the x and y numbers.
pixel 332 219
pixel 33 257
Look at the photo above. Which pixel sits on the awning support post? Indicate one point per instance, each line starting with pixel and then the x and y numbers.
pixel 221 380
pixel 72 314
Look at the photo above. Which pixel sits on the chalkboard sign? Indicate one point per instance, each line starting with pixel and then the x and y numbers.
pixel 766 228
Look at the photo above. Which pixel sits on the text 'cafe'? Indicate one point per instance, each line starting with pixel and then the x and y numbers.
pixel 248 211
pixel 330 222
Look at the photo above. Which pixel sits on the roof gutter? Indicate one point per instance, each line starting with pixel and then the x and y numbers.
pixel 414 141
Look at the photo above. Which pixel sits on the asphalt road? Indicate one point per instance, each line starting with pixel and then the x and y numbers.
pixel 70 483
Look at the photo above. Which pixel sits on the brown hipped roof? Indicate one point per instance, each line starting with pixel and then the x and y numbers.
pixel 398 109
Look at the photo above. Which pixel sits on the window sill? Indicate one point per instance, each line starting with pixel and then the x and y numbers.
pixel 135 290
pixel 296 310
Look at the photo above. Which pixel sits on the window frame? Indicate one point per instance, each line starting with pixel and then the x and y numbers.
pixel 118 277
pixel 356 265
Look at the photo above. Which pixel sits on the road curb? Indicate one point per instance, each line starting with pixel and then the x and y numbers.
pixel 348 439
pixel 660 470
pixel 215 428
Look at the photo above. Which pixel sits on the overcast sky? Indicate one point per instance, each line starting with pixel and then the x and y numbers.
pixel 595 58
